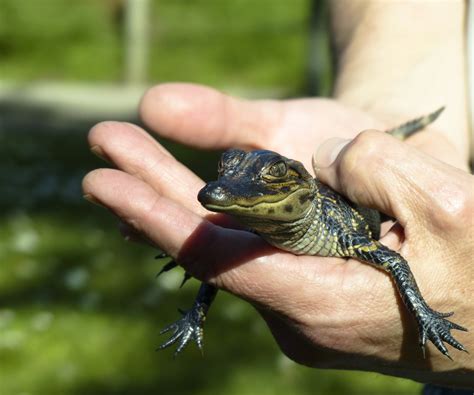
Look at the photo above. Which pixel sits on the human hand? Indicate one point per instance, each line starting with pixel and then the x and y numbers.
pixel 323 312
pixel 434 206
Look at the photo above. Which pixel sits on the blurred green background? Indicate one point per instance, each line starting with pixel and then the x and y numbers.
pixel 80 309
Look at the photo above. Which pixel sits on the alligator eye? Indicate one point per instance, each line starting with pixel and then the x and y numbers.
pixel 278 169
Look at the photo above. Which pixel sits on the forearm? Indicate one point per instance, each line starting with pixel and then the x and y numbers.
pixel 399 59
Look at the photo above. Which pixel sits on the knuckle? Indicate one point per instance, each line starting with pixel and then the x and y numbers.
pixel 150 167
pixel 455 207
pixel 370 142
pixel 365 153
pixel 154 165
pixel 141 208
pixel 366 148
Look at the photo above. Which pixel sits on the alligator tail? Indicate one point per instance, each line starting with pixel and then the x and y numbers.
pixel 411 127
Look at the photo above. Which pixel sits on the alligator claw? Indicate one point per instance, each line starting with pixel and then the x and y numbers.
pixel 190 326
pixel 186 277
pixel 166 268
pixel 435 327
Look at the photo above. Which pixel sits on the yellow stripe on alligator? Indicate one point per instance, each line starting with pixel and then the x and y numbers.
pixel 367 248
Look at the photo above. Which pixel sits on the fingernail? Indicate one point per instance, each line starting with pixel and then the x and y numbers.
pixel 99 152
pixel 92 199
pixel 328 151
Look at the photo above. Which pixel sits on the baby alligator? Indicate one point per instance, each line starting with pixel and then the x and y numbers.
pixel 279 200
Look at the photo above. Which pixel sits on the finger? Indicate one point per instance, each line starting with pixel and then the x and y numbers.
pixel 134 151
pixel 376 170
pixel 203 117
pixel 431 143
pixel 161 220
pixel 130 234
pixel 238 261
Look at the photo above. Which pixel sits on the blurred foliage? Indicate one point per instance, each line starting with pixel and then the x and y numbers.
pixel 239 42
pixel 80 309
pixel 80 34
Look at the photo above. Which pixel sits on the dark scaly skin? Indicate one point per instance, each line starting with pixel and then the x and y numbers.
pixel 190 326
pixel 279 200
pixel 432 325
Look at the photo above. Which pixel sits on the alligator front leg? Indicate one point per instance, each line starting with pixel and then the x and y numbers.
pixel 432 325
pixel 190 326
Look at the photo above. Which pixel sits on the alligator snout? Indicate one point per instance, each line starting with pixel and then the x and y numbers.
pixel 214 194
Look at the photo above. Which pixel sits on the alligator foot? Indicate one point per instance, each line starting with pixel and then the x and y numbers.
pixel 190 326
pixel 435 327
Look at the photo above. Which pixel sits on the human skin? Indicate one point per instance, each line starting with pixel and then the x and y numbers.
pixel 396 58
pixel 323 312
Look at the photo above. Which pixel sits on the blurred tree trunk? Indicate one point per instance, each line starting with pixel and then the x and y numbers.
pixel 319 75
pixel 137 41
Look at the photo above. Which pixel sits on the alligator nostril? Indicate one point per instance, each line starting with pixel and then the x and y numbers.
pixel 212 193
pixel 218 193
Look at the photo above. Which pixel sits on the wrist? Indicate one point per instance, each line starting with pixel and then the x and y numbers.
pixel 397 69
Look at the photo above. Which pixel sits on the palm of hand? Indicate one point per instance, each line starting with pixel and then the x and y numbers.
pixel 321 311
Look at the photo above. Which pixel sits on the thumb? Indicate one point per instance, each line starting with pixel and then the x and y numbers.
pixel 378 171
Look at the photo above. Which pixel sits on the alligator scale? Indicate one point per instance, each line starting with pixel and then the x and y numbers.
pixel 279 200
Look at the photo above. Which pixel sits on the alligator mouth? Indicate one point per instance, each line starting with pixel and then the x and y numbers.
pixel 232 206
